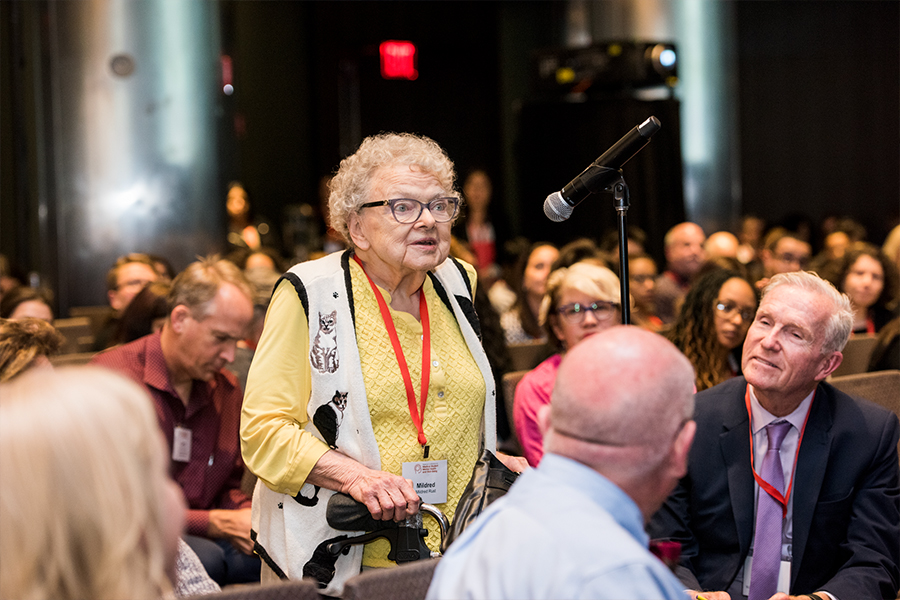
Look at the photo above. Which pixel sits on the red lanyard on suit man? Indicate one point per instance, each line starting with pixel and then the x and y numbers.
pixel 781 499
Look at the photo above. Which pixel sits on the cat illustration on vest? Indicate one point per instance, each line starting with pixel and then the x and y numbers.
pixel 329 416
pixel 324 355
pixel 327 419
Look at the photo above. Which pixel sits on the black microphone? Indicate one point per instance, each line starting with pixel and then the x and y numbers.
pixel 559 205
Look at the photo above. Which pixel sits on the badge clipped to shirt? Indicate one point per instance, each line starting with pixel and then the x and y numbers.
pixel 181 445
pixel 429 479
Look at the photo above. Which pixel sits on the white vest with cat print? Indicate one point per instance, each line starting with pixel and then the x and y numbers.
pixel 288 529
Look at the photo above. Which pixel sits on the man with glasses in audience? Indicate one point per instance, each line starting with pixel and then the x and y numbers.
pixel 783 252
pixel 792 487
pixel 124 281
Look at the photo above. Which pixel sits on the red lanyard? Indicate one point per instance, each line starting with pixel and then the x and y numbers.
pixel 418 417
pixel 782 500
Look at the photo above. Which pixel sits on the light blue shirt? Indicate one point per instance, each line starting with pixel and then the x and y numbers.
pixel 563 531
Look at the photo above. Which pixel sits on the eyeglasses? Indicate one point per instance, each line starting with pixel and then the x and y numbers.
pixel 792 259
pixel 133 283
pixel 574 313
pixel 407 210
pixel 729 308
pixel 641 279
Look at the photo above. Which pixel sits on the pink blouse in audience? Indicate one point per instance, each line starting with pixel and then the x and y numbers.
pixel 532 393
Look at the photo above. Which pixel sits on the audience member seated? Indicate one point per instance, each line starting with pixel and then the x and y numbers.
pixel 581 300
pixel 783 252
pixel 580 250
pixel 837 235
pixel 642 285
pixel 747 525
pixel 198 406
pixel 26 302
pixel 833 249
pixel 245 230
pixel 869 279
pixel 262 258
pixel 721 244
pixel 712 325
pixel 683 246
pixel 26 343
pixel 164 270
pixel 87 509
pixel 635 239
pixel 617 436
pixel 124 281
pixel 475 227
pixel 520 323
pixel 750 235
pixel 146 313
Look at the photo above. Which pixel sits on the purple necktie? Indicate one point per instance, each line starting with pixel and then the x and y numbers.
pixel 769 517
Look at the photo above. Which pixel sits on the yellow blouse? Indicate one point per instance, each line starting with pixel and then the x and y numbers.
pixel 281 453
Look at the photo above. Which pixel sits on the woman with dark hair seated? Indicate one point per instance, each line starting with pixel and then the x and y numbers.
pixel 145 314
pixel 712 324
pixel 23 301
pixel 520 323
pixel 868 277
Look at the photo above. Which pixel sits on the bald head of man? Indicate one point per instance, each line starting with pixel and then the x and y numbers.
pixel 683 246
pixel 622 405
pixel 721 244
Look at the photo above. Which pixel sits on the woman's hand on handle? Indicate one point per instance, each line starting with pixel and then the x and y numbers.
pixel 387 496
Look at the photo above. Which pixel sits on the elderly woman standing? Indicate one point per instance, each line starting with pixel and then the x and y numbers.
pixel 369 364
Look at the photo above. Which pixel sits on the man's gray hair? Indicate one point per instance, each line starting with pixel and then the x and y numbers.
pixel 840 321
pixel 197 285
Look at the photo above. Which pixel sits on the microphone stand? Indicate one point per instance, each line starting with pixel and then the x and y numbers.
pixel 622 201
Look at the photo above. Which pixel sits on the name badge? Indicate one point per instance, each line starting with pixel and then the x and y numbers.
pixel 181 445
pixel 429 479
pixel 784 576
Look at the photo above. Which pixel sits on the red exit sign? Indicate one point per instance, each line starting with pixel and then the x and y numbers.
pixel 398 60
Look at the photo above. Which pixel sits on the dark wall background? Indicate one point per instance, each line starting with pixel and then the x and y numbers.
pixel 308 87
pixel 819 105
pixel 820 110
pixel 559 139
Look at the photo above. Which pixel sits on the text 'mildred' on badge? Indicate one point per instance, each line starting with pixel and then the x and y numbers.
pixel 429 479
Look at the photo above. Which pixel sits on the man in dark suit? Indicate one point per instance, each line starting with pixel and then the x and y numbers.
pixel 836 495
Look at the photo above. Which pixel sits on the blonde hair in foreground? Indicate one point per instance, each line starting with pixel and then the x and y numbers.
pixel 82 502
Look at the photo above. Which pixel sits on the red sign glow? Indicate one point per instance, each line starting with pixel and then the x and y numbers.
pixel 398 60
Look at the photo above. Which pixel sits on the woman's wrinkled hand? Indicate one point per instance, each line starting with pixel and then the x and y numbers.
pixel 388 497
